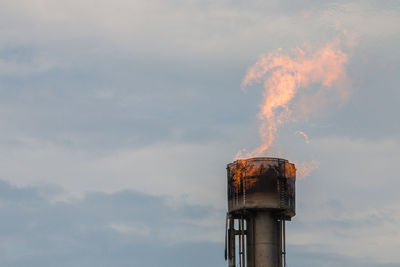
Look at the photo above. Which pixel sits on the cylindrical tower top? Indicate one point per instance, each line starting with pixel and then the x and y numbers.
pixel 262 183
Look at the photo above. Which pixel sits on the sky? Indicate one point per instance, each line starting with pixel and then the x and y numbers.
pixel 118 118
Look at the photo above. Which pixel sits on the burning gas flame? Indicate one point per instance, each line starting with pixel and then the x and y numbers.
pixel 242 169
pixel 304 135
pixel 295 86
pixel 305 168
pixel 245 172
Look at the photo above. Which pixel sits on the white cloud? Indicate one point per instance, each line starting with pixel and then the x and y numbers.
pixel 350 205
pixel 188 172
pixel 360 177
pixel 189 29
pixel 130 228
pixel 14 66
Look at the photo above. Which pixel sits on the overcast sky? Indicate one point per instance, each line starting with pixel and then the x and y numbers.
pixel 118 118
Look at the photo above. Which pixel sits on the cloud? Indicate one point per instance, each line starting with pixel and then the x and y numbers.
pixel 349 205
pixel 128 228
pixel 109 98
pixel 12 65
pixel 122 229
pixel 303 256
pixel 184 172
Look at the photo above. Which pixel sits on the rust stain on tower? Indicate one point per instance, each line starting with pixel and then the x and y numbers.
pixel 261 197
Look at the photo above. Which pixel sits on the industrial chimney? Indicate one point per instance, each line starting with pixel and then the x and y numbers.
pixel 261 197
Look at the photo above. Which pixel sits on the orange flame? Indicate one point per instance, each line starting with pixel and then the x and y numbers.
pixel 304 135
pixel 245 172
pixel 305 168
pixel 283 77
pixel 242 169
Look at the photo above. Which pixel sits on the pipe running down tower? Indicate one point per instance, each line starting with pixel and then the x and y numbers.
pixel 261 197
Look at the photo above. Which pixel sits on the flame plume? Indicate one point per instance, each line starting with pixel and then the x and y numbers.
pixel 304 135
pixel 295 84
pixel 305 168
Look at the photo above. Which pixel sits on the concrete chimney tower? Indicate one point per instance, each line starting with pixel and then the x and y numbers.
pixel 261 197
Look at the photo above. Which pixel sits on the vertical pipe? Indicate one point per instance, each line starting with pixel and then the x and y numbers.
pixel 243 248
pixel 240 242
pixel 284 243
pixel 226 237
pixel 266 236
pixel 232 252
pixel 250 241
pixel 280 243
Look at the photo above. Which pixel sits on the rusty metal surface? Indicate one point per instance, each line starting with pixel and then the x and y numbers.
pixel 262 184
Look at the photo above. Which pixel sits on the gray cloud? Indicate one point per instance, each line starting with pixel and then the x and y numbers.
pixel 145 96
pixel 122 229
